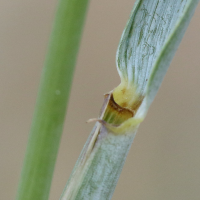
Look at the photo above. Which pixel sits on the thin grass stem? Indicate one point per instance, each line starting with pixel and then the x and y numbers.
pixel 48 119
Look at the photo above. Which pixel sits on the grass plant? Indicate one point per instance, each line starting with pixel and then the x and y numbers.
pixel 147 46
pixel 150 39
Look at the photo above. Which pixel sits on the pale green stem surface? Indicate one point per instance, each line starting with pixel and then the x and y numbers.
pixel 52 100
pixel 148 44
pixel 99 175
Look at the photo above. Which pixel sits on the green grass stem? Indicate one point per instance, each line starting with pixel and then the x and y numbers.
pixel 52 101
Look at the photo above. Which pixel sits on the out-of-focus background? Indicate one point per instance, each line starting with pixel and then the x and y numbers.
pixel 164 160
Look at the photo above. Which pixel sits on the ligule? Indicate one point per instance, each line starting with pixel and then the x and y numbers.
pixel 115 114
pixel 107 146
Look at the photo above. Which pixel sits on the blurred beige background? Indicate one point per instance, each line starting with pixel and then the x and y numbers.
pixel 164 161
